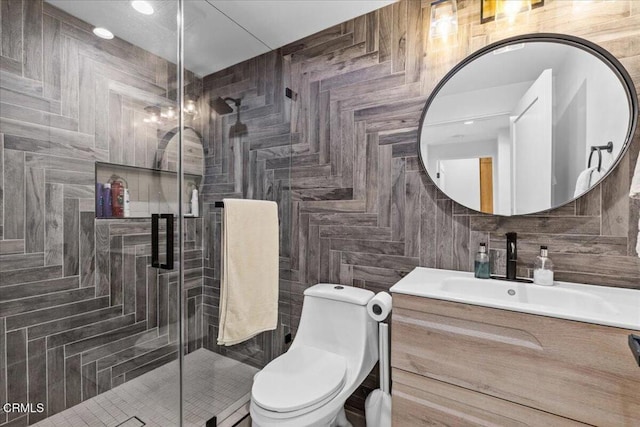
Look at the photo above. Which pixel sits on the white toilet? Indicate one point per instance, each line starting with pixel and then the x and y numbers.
pixel 334 350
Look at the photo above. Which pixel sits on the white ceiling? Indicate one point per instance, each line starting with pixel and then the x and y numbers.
pixel 522 65
pixel 487 90
pixel 483 129
pixel 218 33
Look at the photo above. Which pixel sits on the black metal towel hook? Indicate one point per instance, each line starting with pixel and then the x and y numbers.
pixel 608 148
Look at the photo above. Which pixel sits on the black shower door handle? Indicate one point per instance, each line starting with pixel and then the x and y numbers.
pixel 155 236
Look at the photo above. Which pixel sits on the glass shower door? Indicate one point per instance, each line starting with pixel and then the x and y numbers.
pixel 94 315
pixel 244 119
pixel 106 132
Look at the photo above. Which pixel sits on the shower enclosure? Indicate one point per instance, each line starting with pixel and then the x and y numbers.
pixel 114 149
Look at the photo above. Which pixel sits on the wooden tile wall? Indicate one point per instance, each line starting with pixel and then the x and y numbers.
pixel 363 211
pixel 340 158
pixel 252 166
pixel 81 308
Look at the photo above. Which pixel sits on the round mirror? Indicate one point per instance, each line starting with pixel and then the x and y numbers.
pixel 192 153
pixel 527 124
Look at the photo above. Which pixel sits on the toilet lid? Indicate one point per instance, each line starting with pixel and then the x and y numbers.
pixel 299 378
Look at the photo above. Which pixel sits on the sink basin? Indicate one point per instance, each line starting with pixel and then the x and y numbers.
pixel 573 301
pixel 525 293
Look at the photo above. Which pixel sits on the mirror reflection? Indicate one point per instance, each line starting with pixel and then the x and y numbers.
pixel 525 127
pixel 192 152
pixel 193 164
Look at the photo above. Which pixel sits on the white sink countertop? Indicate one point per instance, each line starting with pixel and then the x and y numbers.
pixel 602 305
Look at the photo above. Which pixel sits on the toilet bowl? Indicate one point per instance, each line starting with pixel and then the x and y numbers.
pixel 334 350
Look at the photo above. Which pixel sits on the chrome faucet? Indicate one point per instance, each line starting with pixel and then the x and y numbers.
pixel 512 255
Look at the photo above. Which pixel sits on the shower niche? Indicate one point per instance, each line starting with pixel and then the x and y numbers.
pixel 149 191
pixel 129 191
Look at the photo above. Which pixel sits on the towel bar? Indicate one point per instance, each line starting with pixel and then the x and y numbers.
pixel 599 148
pixel 221 205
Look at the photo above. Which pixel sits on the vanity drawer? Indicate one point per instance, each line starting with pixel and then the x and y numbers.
pixel 419 401
pixel 572 369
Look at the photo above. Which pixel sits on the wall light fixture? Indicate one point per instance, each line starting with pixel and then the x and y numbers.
pixel 495 10
pixel 444 19
pixel 162 114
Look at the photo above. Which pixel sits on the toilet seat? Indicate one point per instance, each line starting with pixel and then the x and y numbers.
pixel 302 378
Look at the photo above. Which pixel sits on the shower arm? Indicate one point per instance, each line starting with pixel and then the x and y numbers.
pixel 237 103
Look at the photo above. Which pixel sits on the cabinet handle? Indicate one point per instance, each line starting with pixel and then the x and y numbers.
pixel 634 345
pixel 155 235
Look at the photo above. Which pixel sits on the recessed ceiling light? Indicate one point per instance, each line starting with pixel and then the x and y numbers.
pixel 142 6
pixel 103 33
pixel 468 122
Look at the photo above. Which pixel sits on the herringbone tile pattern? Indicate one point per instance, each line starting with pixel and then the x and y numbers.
pixel 363 212
pixel 339 157
pixel 81 308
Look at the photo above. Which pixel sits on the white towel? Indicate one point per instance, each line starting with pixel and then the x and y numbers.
pixel 596 176
pixel 250 257
pixel 634 193
pixel 638 240
pixel 585 180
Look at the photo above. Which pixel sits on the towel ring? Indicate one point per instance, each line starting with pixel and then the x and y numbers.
pixel 608 148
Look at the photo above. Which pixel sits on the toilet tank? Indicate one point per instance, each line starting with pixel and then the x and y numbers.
pixel 334 318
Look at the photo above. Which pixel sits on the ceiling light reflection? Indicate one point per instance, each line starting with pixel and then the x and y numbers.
pixel 103 33
pixel 142 6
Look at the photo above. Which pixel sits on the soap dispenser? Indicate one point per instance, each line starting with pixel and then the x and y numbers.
pixel 481 267
pixel 543 268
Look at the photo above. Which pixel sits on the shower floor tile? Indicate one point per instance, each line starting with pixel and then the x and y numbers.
pixel 215 385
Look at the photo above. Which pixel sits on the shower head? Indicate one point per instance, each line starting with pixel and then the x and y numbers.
pixel 221 106
pixel 238 129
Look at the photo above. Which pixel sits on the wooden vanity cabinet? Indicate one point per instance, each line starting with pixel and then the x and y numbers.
pixel 421 401
pixel 457 364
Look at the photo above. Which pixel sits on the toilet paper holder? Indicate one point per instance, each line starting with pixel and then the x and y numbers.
pixel 380 306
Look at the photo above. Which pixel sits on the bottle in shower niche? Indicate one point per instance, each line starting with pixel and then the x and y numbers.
pixel 195 205
pixel 117 199
pixel 99 200
pixel 127 203
pixel 481 266
pixel 543 268
pixel 107 207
